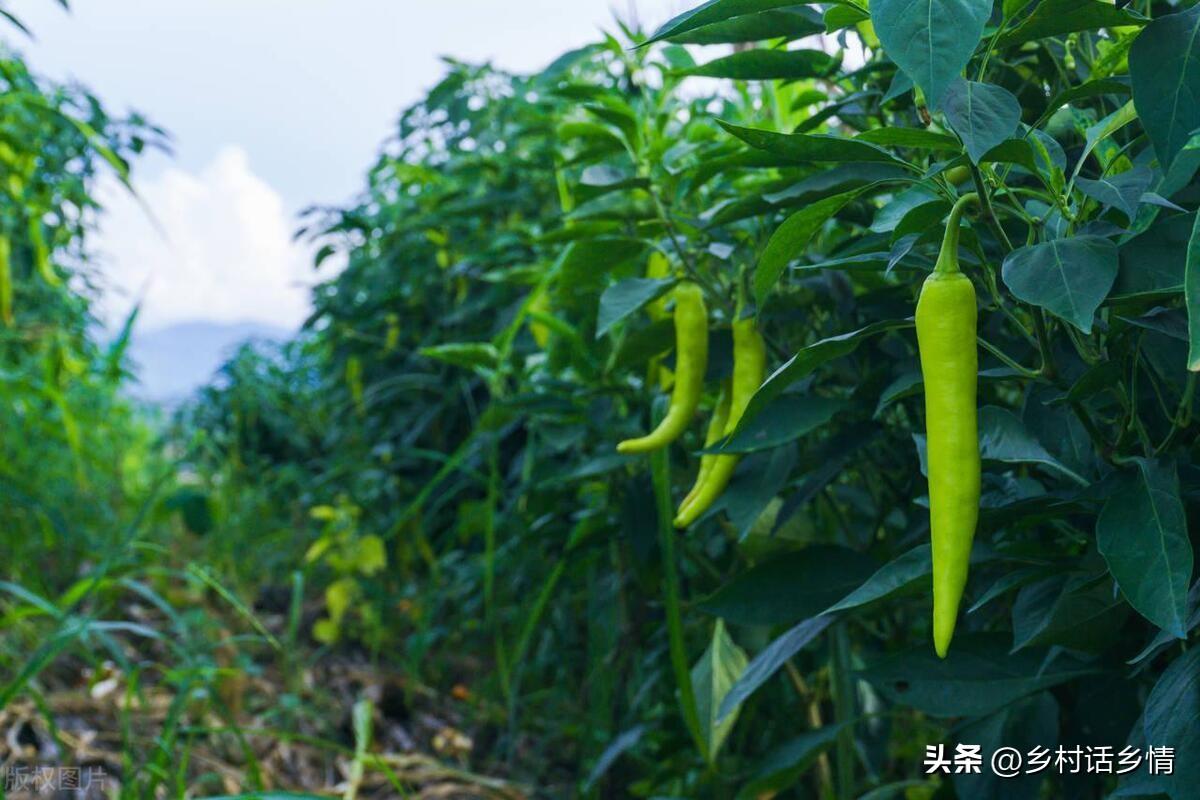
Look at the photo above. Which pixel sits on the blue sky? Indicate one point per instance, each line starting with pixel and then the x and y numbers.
pixel 273 105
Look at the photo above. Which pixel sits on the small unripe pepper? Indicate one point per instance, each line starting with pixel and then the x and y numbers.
pixel 749 369
pixel 691 362
pixel 946 334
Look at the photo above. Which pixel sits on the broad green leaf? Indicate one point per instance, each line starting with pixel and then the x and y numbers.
pixel 585 263
pixel 791 238
pixel 981 114
pixel 808 148
pixel 1172 718
pixel 978 677
pixel 787 763
pixel 1004 437
pixel 1025 724
pixel 713 12
pixel 1054 425
pixel 841 16
pixel 789 587
pixel 1122 191
pixel 1070 278
pixel 787 419
pixel 912 138
pixel 1165 74
pixel 1142 534
pixel 836 180
pixel 1096 88
pixel 762 65
pixel 784 23
pixel 625 297
pixel 767 663
pixel 931 40
pixel 1056 17
pixel 895 576
pixel 712 677
pixel 1163 638
pixel 1155 262
pixel 1191 294
pixel 905 385
pixel 812 357
pixel 890 216
pixel 1077 612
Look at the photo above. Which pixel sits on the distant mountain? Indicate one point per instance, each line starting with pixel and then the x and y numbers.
pixel 173 362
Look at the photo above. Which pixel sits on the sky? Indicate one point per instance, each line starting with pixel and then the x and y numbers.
pixel 272 105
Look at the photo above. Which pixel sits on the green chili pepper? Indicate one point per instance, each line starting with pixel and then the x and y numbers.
pixel 691 362
pixel 946 326
pixel 749 368
pixel 716 431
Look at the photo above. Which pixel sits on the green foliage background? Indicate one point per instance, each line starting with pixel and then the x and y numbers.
pixel 432 461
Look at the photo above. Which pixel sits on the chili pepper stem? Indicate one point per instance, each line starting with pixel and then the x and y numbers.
pixel 948 258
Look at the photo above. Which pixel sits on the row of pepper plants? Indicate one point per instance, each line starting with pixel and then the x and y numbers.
pixel 732 245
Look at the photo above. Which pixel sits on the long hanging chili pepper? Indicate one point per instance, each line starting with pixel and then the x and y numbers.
pixel 946 335
pixel 716 432
pixel 749 369
pixel 691 362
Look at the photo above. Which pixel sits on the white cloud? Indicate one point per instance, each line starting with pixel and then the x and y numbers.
pixel 221 251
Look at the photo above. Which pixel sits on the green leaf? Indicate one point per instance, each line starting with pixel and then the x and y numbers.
pixel 1164 71
pixel 806 148
pixel 931 40
pixel 1025 724
pixel 836 180
pixel 1103 130
pixel 756 483
pixel 1172 717
pixel 981 114
pixel 585 263
pixel 1056 17
pixel 895 576
pixel 1164 639
pixel 1070 278
pixel 787 419
pixel 712 677
pixel 978 677
pixel 840 17
pixel 711 13
pixel 622 744
pixel 762 65
pixel 1154 263
pixel 890 216
pixel 787 763
pixel 768 662
pixel 625 297
pixel 1142 534
pixel 912 138
pixel 784 23
pixel 792 237
pixel 905 385
pixel 1077 612
pixel 1191 294
pixel 789 587
pixel 1122 191
pixel 812 357
pixel 1004 437
pixel 469 355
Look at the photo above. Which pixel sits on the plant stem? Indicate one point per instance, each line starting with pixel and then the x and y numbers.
pixel 660 470
pixel 843 701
